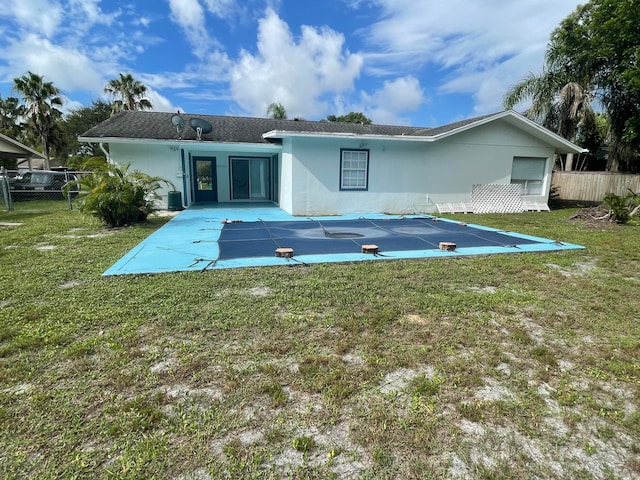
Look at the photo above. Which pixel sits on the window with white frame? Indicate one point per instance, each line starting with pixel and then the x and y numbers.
pixel 528 172
pixel 354 169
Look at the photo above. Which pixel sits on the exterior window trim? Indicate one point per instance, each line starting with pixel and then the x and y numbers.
pixel 366 170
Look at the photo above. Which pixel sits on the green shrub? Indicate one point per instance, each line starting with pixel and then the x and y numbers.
pixel 622 208
pixel 119 197
pixel 91 164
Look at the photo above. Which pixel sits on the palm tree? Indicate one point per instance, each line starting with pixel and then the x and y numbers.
pixel 129 93
pixel 277 111
pixel 40 99
pixel 559 101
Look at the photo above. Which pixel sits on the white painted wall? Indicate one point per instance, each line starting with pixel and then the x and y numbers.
pixel 404 176
pixel 153 159
pixel 222 154
pixel 285 176
pixel 164 160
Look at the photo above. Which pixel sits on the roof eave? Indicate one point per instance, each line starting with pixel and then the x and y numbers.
pixel 279 134
pixel 560 144
pixel 180 143
pixel 26 151
pixel 125 140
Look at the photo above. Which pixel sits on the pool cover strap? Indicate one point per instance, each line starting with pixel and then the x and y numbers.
pixel 312 237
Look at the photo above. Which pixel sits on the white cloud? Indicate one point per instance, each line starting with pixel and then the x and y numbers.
pixel 389 69
pixel 298 73
pixel 70 105
pixel 143 21
pixel 190 16
pixel 403 94
pixel 90 12
pixel 396 97
pixel 160 103
pixel 220 8
pixel 483 46
pixel 187 13
pixel 68 69
pixel 35 15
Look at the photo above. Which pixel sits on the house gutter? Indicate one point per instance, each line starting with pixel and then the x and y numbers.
pixel 355 136
pixel 189 144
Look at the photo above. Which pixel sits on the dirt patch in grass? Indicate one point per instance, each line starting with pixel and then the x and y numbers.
pixel 261 291
pixel 511 366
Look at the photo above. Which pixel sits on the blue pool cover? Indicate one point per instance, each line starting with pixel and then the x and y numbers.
pixel 260 239
pixel 201 238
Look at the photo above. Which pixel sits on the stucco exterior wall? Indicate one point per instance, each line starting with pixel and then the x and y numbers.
pixel 286 177
pixel 165 161
pixel 406 176
pixel 222 154
pixel 153 159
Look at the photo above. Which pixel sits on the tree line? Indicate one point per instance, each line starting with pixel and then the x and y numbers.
pixel 34 118
pixel 277 111
pixel 588 92
pixel 589 87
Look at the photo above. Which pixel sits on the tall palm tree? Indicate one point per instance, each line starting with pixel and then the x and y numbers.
pixel 40 99
pixel 559 101
pixel 277 111
pixel 129 93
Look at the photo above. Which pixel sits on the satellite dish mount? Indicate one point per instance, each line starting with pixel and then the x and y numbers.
pixel 178 122
pixel 200 126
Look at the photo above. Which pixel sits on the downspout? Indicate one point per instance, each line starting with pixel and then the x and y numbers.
pixel 106 154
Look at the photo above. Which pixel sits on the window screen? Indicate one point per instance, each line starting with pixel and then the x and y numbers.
pixel 529 172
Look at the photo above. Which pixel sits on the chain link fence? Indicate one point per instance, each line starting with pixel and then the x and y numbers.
pixel 18 187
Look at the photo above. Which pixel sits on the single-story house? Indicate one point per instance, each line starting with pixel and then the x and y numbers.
pixel 26 157
pixel 327 168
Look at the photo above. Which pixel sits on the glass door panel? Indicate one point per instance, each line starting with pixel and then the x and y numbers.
pixel 250 178
pixel 205 183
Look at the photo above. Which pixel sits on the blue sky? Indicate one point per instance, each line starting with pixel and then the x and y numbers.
pixel 413 62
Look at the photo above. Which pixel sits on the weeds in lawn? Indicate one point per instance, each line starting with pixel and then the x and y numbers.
pixel 493 367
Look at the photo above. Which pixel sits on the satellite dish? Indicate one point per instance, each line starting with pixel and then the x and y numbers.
pixel 198 123
pixel 178 122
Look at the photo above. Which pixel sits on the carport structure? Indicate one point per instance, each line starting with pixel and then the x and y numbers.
pixel 10 149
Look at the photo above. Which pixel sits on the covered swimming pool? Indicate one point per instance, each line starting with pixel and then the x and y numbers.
pixel 215 236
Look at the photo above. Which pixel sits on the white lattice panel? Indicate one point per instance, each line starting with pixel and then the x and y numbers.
pixel 497 198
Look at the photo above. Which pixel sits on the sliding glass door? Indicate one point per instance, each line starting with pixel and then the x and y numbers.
pixel 249 178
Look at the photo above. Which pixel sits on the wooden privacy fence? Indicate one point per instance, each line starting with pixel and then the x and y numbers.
pixel 593 186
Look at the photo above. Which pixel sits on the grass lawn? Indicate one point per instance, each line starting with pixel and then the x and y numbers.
pixel 497 367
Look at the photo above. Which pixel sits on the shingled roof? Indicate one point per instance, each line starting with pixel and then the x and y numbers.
pixel 158 126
